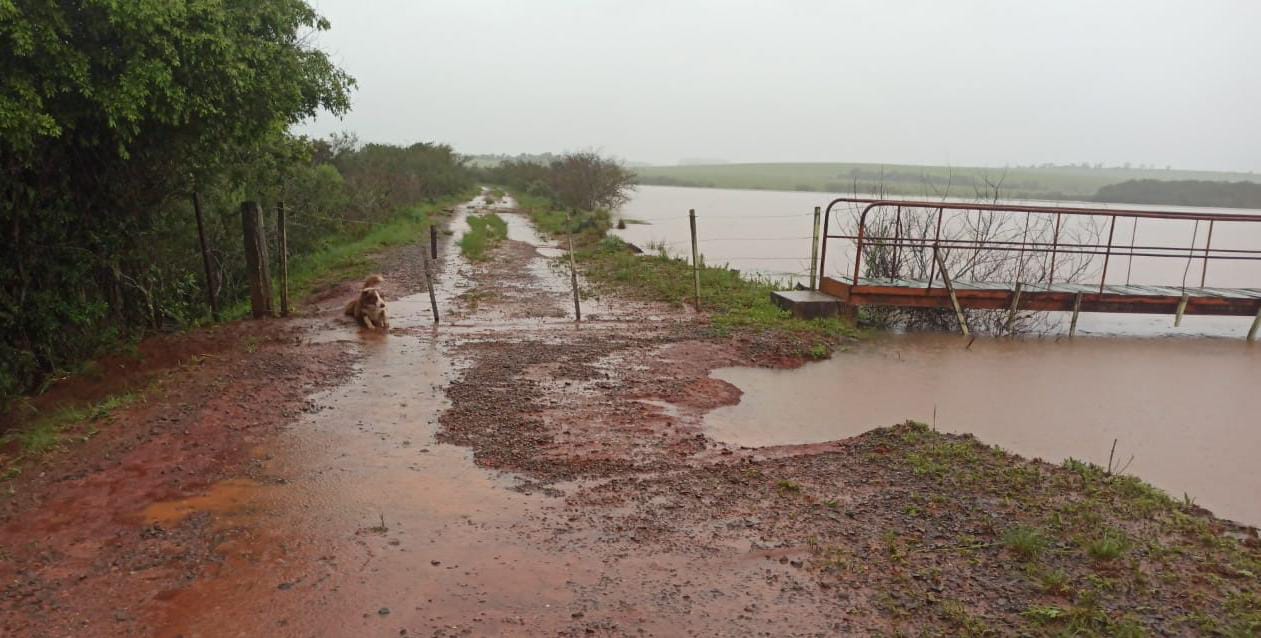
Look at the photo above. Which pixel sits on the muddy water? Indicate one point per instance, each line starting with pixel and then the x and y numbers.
pixel 769 233
pixel 1187 410
pixel 360 523
pixel 1186 407
pixel 357 522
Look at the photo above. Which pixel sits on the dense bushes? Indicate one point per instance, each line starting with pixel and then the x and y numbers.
pixel 576 181
pixel 113 114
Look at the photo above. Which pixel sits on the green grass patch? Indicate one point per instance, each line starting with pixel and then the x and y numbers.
pixel 484 232
pixel 1086 552
pixel 348 255
pixel 735 303
pixel 43 434
pixel 1025 542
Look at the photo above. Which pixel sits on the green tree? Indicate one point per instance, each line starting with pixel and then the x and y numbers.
pixel 109 111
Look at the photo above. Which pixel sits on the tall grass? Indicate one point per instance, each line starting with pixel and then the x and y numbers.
pixel 348 255
pixel 734 302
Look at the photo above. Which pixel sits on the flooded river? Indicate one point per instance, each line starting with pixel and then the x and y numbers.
pixel 1185 402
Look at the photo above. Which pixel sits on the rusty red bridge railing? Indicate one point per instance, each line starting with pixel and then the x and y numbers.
pixel 960 255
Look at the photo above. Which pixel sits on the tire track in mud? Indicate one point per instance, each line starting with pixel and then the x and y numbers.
pixel 427 494
pixel 510 472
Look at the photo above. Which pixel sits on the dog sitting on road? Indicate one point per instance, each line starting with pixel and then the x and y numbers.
pixel 369 307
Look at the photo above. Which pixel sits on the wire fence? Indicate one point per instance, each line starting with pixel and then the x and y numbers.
pixel 782 264
pixel 786 257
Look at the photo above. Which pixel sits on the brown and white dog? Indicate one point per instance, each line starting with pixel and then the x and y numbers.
pixel 369 307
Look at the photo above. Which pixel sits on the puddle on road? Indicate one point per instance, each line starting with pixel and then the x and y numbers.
pixel 1187 409
pixel 380 530
pixel 375 515
pixel 224 496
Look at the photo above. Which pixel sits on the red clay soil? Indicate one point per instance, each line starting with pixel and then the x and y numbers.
pixel 77 557
pixel 532 477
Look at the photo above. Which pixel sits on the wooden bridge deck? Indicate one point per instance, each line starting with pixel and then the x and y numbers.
pixel 1063 297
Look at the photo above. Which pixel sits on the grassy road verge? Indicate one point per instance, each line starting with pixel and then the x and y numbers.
pixel 734 303
pixel 347 256
pixel 484 232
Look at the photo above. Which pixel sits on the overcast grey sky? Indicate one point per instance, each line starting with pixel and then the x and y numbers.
pixel 895 81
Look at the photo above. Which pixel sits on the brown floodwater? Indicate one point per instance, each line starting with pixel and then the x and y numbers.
pixel 1187 409
pixel 768 233
pixel 1184 400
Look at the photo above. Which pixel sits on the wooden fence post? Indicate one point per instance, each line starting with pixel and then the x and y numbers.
pixel 696 262
pixel 573 279
pixel 1072 326
pixel 1015 307
pixel 282 244
pixel 814 250
pixel 211 293
pixel 425 258
pixel 256 259
pixel 954 299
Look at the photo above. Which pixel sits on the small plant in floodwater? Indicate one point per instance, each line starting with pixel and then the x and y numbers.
pixel 1025 542
pixel 379 528
pixel 892 544
pixel 831 503
pixel 819 351
pixel 1053 582
pixel 955 612
pixel 788 486
pixel 1108 547
pixel 1044 614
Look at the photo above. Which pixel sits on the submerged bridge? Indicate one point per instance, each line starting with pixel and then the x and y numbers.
pixel 963 256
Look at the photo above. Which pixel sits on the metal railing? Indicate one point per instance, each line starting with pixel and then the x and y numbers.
pixel 901 238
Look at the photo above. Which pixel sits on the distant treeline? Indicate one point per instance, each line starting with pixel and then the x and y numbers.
pixel 1050 182
pixel 1183 193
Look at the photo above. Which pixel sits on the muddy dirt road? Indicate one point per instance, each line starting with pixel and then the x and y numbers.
pixel 419 490
pixel 507 473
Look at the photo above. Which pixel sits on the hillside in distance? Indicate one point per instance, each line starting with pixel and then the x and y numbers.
pixel 1079 182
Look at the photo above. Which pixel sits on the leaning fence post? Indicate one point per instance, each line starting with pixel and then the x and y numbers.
pixel 433 241
pixel 282 244
pixel 1256 325
pixel 950 289
pixel 814 250
pixel 573 279
pixel 1072 326
pixel 696 263
pixel 256 259
pixel 425 258
pixel 205 258
pixel 1015 307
